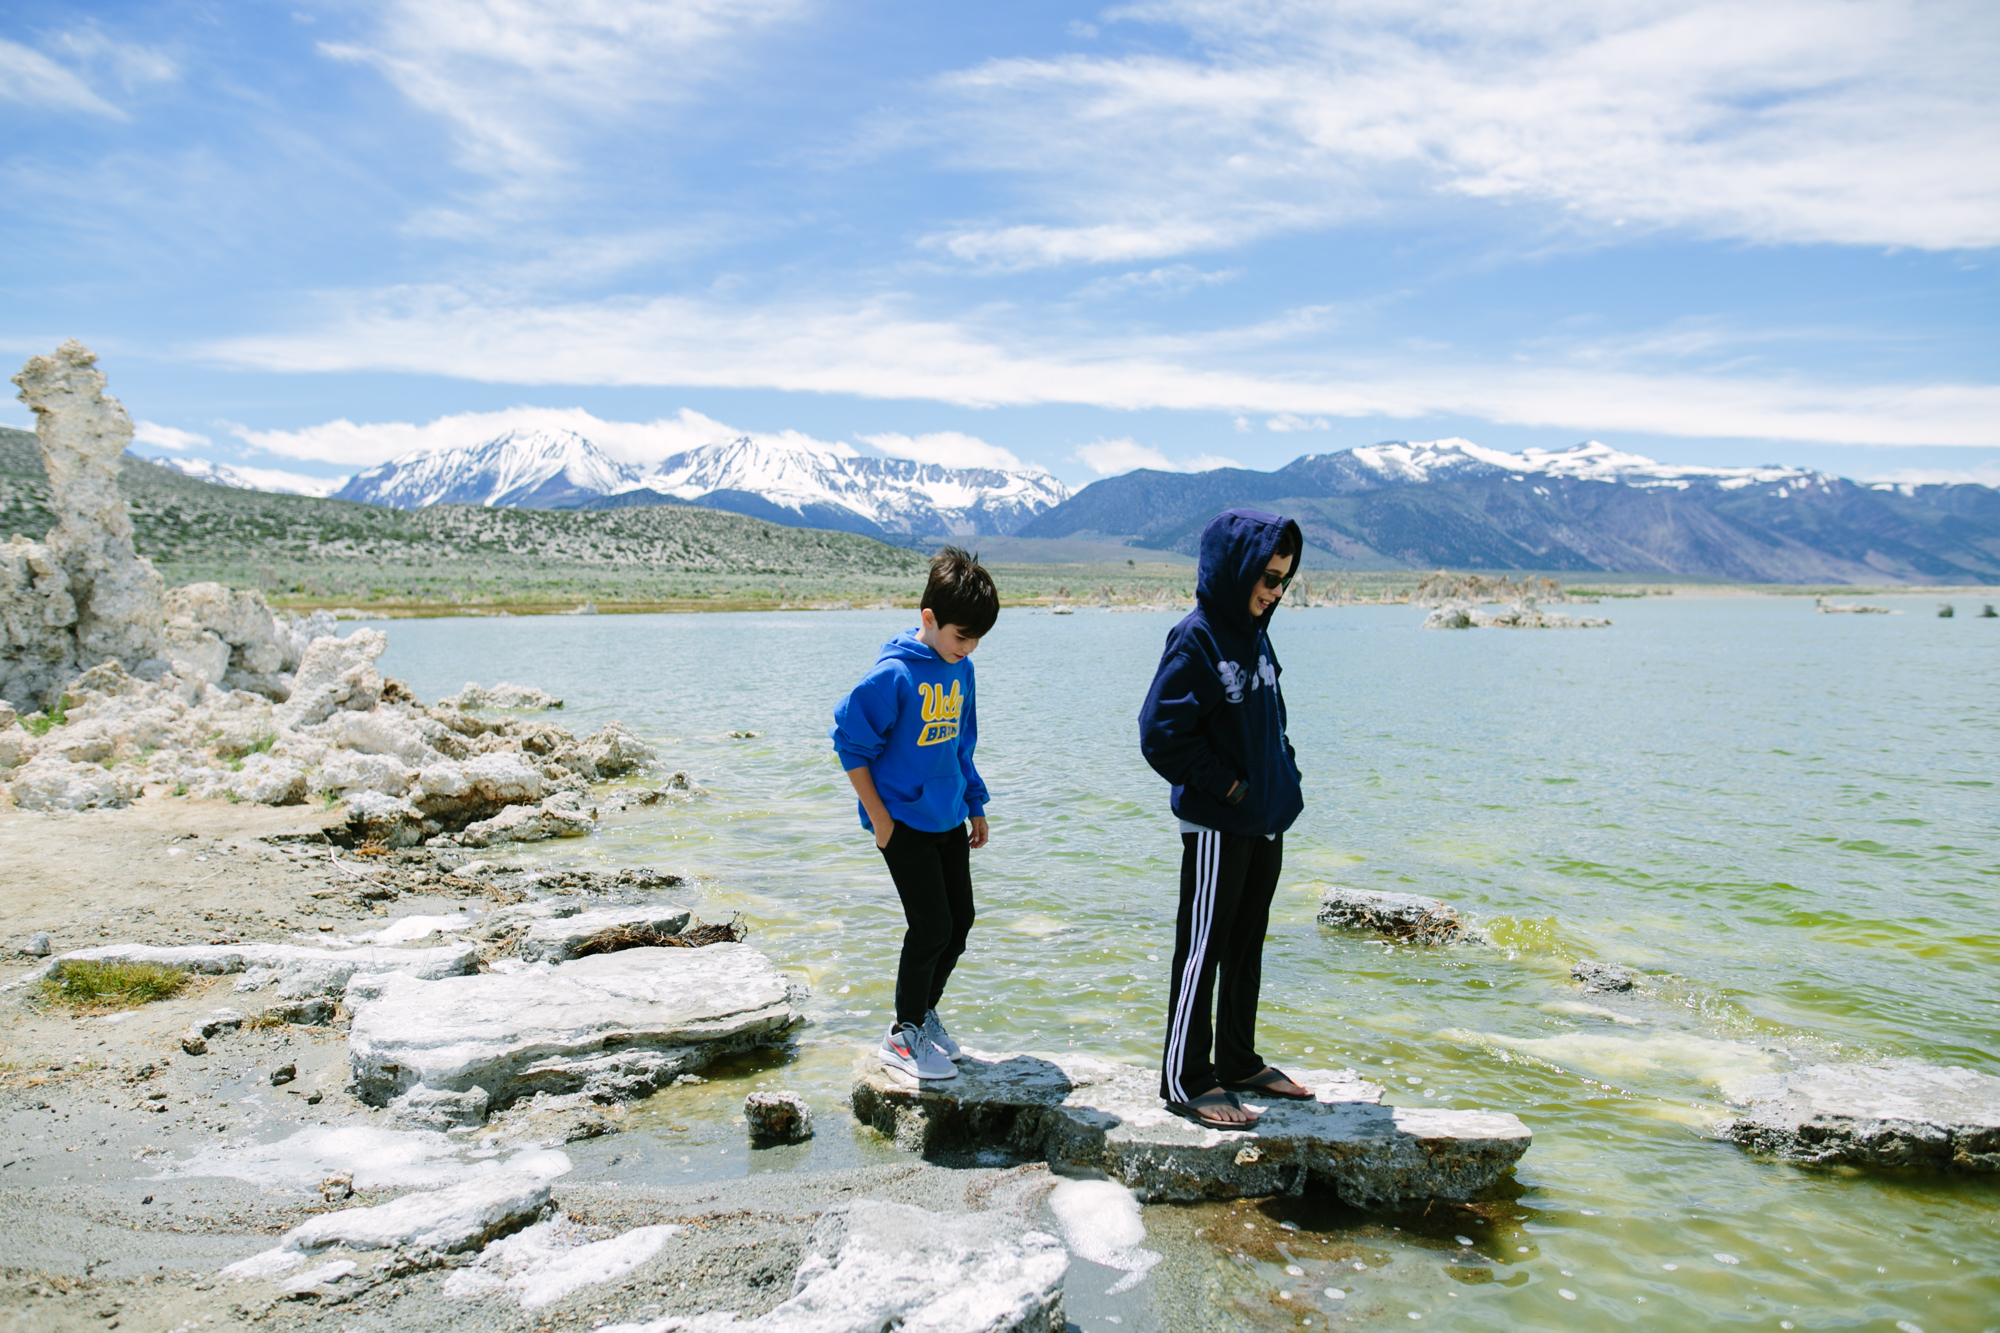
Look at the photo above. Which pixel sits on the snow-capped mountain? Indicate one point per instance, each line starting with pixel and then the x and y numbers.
pixel 251 478
pixel 796 483
pixel 523 469
pixel 1452 503
pixel 1406 463
pixel 833 486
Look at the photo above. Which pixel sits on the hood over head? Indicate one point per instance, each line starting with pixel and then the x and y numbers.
pixel 1235 547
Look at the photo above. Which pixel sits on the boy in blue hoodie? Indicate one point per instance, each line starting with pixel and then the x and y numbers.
pixel 1213 725
pixel 905 735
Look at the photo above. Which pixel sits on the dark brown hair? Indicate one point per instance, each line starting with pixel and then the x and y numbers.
pixel 961 593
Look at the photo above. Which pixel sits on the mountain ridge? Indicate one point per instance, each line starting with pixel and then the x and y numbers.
pixel 1588 508
pixel 802 485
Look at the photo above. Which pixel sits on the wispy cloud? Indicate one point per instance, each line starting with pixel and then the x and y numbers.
pixel 28 76
pixel 1109 458
pixel 1866 122
pixel 167 437
pixel 516 79
pixel 1286 422
pixel 948 448
pixel 879 350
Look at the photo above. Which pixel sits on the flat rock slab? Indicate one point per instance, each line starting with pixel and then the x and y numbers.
pixel 1089 1115
pixel 1403 916
pixel 557 939
pixel 617 1023
pixel 295 973
pixel 873 1265
pixel 1891 1113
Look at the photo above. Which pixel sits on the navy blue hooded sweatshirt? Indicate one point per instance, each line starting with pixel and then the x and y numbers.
pixel 1214 716
pixel 913 723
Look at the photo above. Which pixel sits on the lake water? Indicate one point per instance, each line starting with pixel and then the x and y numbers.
pixel 1788 819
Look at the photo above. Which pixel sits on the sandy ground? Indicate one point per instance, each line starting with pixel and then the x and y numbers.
pixel 98 1231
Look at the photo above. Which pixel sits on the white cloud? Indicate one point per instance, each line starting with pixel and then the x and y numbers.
pixel 875 350
pixel 167 437
pixel 1170 280
pixel 1940 476
pixel 26 75
pixel 364 444
pixel 1108 458
pixel 513 76
pixel 1795 121
pixel 1209 463
pixel 1291 421
pixel 949 448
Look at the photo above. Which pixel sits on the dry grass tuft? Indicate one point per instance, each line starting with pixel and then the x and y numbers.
pixel 648 937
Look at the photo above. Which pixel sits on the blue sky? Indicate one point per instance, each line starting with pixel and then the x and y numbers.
pixel 307 237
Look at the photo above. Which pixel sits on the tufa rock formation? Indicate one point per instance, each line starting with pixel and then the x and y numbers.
pixel 205 691
pixel 84 595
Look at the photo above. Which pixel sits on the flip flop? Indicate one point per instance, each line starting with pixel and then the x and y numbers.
pixel 1263 1084
pixel 1196 1109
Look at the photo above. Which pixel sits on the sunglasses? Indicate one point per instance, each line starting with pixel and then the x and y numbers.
pixel 1276 582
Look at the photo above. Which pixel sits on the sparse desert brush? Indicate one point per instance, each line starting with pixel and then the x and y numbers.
pixel 85 984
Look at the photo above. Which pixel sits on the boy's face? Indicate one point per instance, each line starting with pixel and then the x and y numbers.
pixel 1263 597
pixel 947 641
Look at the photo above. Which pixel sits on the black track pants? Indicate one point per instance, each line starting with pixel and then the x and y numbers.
pixel 1227 880
pixel 933 874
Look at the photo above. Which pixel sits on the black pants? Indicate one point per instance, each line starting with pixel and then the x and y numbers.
pixel 933 874
pixel 1227 880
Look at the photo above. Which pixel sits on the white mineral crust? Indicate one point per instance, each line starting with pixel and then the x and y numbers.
pixel 619 1022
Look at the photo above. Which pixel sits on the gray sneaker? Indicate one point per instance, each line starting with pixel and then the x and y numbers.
pixel 907 1049
pixel 935 1034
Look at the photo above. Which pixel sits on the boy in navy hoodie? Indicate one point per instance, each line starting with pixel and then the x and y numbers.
pixel 905 736
pixel 1213 725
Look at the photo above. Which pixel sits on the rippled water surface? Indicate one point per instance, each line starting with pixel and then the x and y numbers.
pixel 1788 819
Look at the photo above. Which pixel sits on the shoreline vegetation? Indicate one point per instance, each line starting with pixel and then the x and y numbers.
pixel 305 554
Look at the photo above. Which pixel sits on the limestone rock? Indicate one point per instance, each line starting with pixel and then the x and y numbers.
pixel 557 939
pixel 1603 978
pixel 293 971
pixel 1522 614
pixel 612 752
pixel 1083 1115
pixel 38 945
pixel 434 1108
pixel 1403 916
pixel 506 695
pixel 268 781
pixel 560 816
pixel 619 1023
pixel 1890 1113
pixel 50 782
pixel 873 1265
pixel 778 1117
pixel 447 1221
pixel 377 819
pixel 118 599
pixel 335 674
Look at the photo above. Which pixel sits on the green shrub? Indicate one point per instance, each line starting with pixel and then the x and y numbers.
pixel 83 984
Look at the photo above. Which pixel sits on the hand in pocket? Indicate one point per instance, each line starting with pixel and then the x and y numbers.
pixel 883 833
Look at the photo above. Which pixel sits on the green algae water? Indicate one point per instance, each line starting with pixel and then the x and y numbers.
pixel 1787 820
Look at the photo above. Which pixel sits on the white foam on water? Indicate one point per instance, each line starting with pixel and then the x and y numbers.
pixel 1578 1009
pixel 547 1261
pixel 377 1158
pixel 1101 1222
pixel 1613 1056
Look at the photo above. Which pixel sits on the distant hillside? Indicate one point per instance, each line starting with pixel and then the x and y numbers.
pixel 322 548
pixel 1455 505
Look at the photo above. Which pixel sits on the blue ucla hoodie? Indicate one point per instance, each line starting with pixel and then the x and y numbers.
pixel 1214 716
pixel 911 722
